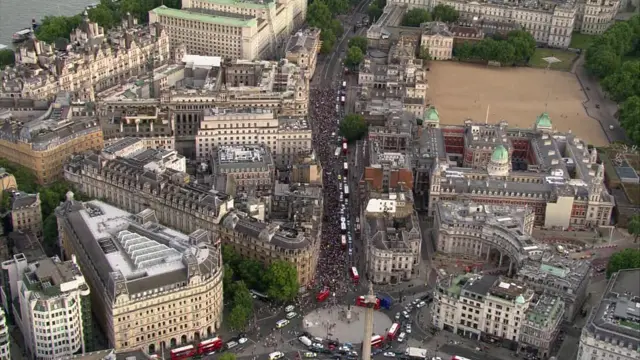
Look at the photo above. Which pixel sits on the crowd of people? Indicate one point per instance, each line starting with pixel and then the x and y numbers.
pixel 332 268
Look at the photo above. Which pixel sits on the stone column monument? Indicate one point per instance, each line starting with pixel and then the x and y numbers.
pixel 370 301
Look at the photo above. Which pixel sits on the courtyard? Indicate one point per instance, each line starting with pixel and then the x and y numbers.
pixel 517 95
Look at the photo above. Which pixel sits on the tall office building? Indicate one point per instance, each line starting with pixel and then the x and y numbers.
pixel 153 288
pixel 53 310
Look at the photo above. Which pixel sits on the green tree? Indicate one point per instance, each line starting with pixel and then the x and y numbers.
pixel 103 16
pixel 7 58
pixel 5 203
pixel 630 118
pixel 353 127
pixel 227 356
pixel 50 234
pixel 238 317
pixel 360 42
pixel 445 13
pixel 624 83
pixel 328 41
pixel 25 178
pixel 603 62
pixel 251 272
pixel 464 51
pixel 282 281
pixel 227 281
pixel 625 259
pixel 415 17
pixel 53 28
pixel 524 45
pixel 374 12
pixel 634 227
pixel 338 6
pixel 354 57
pixel 319 15
pixel 242 296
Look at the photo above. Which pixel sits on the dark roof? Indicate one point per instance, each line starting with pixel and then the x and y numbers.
pixel 480 286
pixel 22 200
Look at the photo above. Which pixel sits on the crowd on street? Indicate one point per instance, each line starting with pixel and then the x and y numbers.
pixel 332 268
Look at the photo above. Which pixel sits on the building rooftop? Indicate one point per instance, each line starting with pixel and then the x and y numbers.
pixel 556 272
pixel 23 200
pixel 50 277
pixel 26 243
pixel 616 319
pixel 110 354
pixel 283 237
pixel 233 158
pixel 57 125
pixel 210 17
pixel 304 41
pixel 546 310
pixel 135 250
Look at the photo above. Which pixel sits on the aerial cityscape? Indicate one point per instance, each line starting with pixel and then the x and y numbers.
pixel 323 179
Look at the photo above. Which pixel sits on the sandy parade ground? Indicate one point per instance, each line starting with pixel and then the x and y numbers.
pixel 517 95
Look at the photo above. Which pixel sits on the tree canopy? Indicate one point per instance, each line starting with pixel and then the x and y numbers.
pixel 354 57
pixel 614 58
pixel 625 259
pixel 445 13
pixel 282 280
pixel 7 58
pixel 321 15
pixel 360 42
pixel 516 48
pixel 415 17
pixel 353 127
pixel 107 14
pixel 374 11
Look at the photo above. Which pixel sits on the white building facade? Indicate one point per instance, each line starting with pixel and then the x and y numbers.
pixel 51 295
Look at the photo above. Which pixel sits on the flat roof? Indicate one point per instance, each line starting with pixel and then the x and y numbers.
pixel 228 19
pixel 247 4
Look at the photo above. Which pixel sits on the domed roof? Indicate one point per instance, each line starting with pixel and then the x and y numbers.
pixel 432 114
pixel 543 120
pixel 520 299
pixel 500 154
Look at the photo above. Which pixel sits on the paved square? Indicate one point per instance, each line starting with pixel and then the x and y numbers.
pixel 517 95
pixel 333 321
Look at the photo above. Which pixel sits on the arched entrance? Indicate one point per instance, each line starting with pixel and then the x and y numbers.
pixel 196 336
pixel 209 332
pixel 183 339
pixel 152 348
pixel 173 342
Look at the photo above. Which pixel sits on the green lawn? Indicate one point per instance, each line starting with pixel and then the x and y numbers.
pixel 580 41
pixel 566 59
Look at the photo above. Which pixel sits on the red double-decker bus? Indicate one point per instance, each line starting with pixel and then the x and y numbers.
pixel 393 331
pixel 360 302
pixel 376 340
pixel 343 241
pixel 354 275
pixel 209 345
pixel 323 295
pixel 184 352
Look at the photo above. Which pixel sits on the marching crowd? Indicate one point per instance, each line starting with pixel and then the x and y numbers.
pixel 333 261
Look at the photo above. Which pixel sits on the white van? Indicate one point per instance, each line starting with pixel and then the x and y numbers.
pixel 305 340
pixel 401 337
pixel 291 315
pixel 289 308
pixel 282 323
pixel 276 355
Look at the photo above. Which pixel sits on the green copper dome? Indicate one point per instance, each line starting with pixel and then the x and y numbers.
pixel 500 154
pixel 543 121
pixel 432 114
pixel 520 299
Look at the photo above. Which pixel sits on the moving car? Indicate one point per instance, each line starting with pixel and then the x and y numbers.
pixel 282 323
pixel 421 304
pixel 242 340
pixel 291 315
pixel 310 354
pixel 389 354
pixel 405 314
pixel 289 308
pixel 402 336
pixel 276 355
pixel 408 329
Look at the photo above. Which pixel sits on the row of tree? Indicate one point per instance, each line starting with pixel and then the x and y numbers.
pixel 514 49
pixel 108 14
pixel 279 281
pixel 614 57
pixel 357 50
pixel 440 12
pixel 322 14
